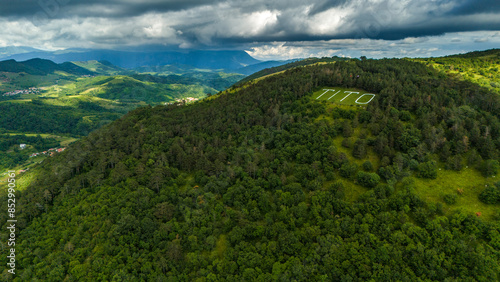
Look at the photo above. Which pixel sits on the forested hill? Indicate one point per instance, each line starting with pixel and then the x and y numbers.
pixel 41 67
pixel 270 183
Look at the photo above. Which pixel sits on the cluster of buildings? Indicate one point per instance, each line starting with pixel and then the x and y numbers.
pixel 31 90
pixel 49 152
pixel 183 100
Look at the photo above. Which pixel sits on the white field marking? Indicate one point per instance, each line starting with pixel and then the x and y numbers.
pixel 350 92
pixel 373 96
pixel 333 95
pixel 323 93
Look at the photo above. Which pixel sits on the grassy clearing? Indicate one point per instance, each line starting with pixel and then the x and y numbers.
pixel 269 75
pixel 344 96
pixel 448 182
pixel 16 101
pixel 481 69
pixel 370 156
pixel 22 179
pixel 352 191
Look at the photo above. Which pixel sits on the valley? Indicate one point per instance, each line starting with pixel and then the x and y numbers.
pixel 75 99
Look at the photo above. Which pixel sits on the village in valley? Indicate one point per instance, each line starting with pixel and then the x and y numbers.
pixel 31 90
pixel 50 152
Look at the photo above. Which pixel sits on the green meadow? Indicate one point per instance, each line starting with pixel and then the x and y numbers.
pixel 464 185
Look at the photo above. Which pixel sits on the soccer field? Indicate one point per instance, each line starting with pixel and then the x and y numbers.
pixel 344 96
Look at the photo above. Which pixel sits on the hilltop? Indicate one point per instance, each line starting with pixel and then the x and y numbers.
pixel 290 65
pixel 481 67
pixel 279 179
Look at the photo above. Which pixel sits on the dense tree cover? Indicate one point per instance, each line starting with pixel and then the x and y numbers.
pixel 491 194
pixel 39 143
pixel 249 186
pixel 39 117
pixel 12 159
pixel 367 179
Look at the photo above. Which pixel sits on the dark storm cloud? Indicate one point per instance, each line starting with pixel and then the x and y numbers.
pixel 388 20
pixel 112 8
pixel 215 23
pixel 434 27
pixel 470 7
pixel 18 8
pixel 324 5
pixel 127 9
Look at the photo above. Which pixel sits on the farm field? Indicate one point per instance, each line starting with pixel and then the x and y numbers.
pixel 344 96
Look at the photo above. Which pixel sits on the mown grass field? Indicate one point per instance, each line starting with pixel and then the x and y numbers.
pixel 344 96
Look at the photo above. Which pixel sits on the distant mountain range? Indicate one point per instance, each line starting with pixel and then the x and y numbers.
pixel 248 70
pixel 13 50
pixel 41 67
pixel 233 61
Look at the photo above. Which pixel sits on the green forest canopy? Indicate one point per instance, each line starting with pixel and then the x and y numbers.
pixel 252 186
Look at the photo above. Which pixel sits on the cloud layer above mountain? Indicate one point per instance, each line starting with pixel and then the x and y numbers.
pixel 259 26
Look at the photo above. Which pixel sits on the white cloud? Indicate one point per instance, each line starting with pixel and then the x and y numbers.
pixel 410 47
pixel 277 51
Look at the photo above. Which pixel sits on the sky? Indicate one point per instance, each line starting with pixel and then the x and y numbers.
pixel 280 29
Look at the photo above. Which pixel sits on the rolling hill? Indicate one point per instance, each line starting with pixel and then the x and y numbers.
pixel 103 67
pixel 41 67
pixel 70 100
pixel 276 181
pixel 62 88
